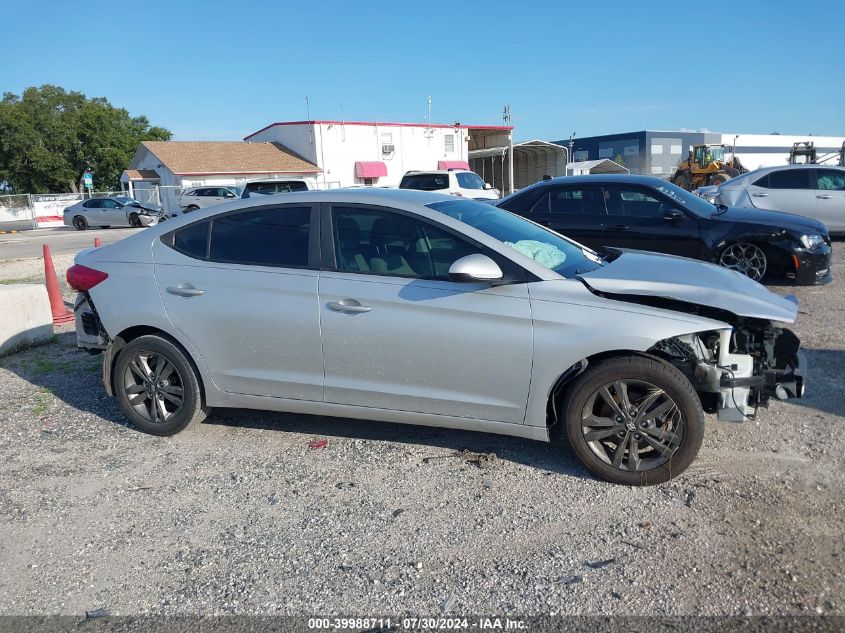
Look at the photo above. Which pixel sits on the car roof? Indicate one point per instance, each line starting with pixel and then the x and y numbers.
pixel 416 172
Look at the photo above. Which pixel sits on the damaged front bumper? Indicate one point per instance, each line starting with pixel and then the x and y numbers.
pixel 736 370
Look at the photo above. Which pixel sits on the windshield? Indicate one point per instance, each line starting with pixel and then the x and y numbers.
pixel 689 201
pixel 548 249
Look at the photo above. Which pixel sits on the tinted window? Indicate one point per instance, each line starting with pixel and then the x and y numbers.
pixel 384 243
pixel 425 182
pixel 92 204
pixel 266 237
pixel 192 240
pixel 632 202
pixel 523 201
pixel 830 179
pixel 576 200
pixel 763 182
pixel 790 179
pixel 109 204
pixel 469 180
pixel 271 188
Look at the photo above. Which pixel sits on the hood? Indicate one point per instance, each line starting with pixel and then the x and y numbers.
pixel 795 223
pixel 670 277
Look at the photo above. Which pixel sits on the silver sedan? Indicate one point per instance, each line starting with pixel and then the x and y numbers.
pixel 111 211
pixel 421 308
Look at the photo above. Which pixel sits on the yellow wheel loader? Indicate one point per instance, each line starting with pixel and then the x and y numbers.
pixel 707 165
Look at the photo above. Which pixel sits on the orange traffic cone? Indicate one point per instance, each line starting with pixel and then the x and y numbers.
pixel 60 313
pixel 96 242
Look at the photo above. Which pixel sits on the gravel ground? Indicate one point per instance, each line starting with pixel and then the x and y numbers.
pixel 239 515
pixel 31 270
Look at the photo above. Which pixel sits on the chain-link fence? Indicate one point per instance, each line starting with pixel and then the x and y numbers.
pixel 16 213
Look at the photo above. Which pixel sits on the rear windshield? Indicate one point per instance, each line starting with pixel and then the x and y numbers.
pixel 270 188
pixel 425 182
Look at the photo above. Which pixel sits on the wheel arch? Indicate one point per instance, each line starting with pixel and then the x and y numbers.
pixel 557 395
pixel 128 335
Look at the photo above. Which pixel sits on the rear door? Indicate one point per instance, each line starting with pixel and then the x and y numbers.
pixel 641 218
pixel 242 287
pixel 399 335
pixel 576 211
pixel 829 190
pixel 784 190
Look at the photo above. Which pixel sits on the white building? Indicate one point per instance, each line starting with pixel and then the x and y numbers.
pixel 350 153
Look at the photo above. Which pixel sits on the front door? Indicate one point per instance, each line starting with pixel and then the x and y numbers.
pixel 113 213
pixel 397 334
pixel 640 218
pixel 829 190
pixel 242 287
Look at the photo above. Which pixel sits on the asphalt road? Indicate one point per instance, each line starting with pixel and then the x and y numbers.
pixel 61 240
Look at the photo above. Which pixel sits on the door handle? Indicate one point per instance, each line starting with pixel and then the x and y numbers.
pixel 617 227
pixel 350 306
pixel 760 195
pixel 186 290
pixel 824 196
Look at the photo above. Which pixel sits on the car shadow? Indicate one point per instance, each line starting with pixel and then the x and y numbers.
pixel 75 378
pixel 556 458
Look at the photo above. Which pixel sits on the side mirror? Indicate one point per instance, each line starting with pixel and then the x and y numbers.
pixel 487 186
pixel 230 195
pixel 475 268
pixel 670 215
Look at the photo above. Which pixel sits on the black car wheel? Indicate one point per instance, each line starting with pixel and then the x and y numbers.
pixel 157 386
pixel 134 221
pixel 746 258
pixel 634 420
pixel 80 223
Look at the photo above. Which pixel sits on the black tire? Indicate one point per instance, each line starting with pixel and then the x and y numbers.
pixel 718 179
pixel 687 421
pixel 682 180
pixel 80 223
pixel 731 172
pixel 183 377
pixel 134 221
pixel 192 208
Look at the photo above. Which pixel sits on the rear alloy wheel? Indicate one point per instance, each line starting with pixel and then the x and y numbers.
pixel 746 258
pixel 80 223
pixel 135 221
pixel 634 420
pixel 157 386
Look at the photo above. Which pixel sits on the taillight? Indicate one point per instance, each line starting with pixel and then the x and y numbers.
pixel 82 278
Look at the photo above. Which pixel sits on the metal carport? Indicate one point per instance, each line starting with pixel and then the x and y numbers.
pixel 601 166
pixel 532 160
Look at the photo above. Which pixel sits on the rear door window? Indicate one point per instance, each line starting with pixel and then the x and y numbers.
pixel 277 236
pixel 192 240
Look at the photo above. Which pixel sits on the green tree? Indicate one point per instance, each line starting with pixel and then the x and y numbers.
pixel 49 137
pixel 619 160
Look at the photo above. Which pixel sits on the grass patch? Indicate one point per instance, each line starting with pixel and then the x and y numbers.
pixel 20 280
pixel 42 401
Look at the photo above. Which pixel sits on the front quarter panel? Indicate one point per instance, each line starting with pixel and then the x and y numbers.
pixel 571 324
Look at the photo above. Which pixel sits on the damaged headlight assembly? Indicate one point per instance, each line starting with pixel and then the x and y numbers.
pixel 811 242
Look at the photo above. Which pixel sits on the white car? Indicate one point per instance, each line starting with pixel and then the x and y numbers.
pixel 814 191
pixel 272 186
pixel 456 182
pixel 201 197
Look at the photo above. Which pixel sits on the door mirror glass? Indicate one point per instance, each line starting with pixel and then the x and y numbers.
pixel 487 186
pixel 670 215
pixel 475 267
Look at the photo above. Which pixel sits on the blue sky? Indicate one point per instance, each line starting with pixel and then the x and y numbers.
pixel 220 70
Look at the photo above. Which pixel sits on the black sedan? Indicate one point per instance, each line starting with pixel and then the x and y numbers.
pixel 640 212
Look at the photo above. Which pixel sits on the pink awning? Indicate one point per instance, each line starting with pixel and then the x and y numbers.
pixel 452 164
pixel 370 169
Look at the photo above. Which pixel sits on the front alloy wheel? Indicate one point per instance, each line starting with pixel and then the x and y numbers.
pixel 633 420
pixel 746 258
